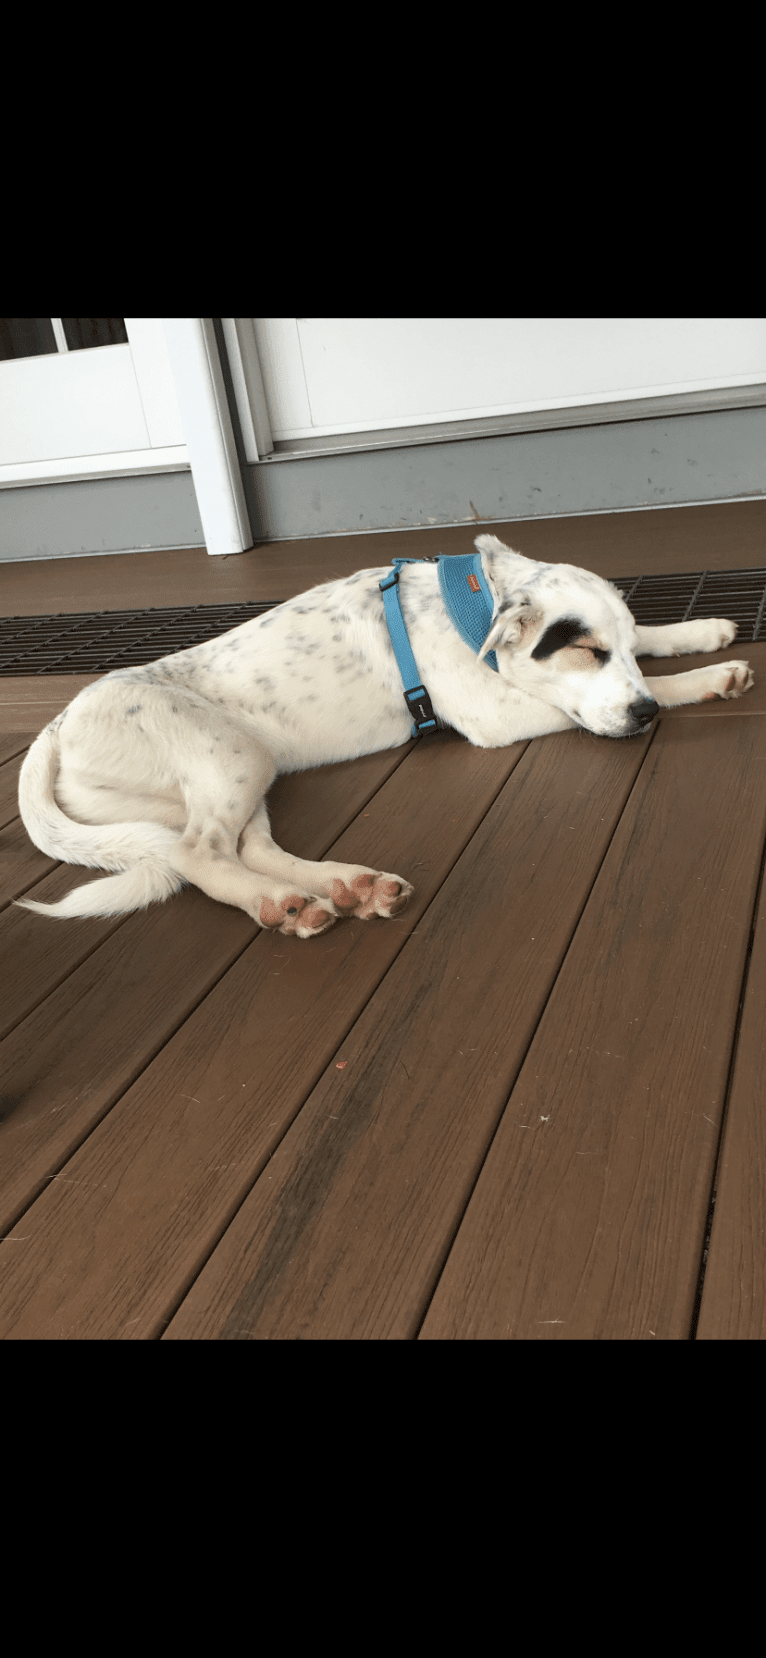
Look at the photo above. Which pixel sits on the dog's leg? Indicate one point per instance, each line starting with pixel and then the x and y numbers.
pixel 682 638
pixel 207 853
pixel 206 856
pixel 723 679
pixel 352 888
pixel 138 753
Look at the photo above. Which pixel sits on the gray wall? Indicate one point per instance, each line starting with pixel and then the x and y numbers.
pixel 680 459
pixel 107 515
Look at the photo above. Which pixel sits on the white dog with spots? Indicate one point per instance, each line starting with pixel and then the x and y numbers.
pixel 160 773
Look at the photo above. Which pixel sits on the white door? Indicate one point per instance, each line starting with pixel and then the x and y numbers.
pixel 347 376
pixel 86 397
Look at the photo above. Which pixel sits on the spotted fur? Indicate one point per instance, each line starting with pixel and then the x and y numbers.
pixel 160 773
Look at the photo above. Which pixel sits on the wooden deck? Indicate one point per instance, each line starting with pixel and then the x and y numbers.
pixel 501 1116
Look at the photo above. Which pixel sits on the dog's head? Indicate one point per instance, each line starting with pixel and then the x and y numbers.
pixel 566 637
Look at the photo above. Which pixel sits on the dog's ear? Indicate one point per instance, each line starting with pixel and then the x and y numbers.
pixel 489 544
pixel 511 623
pixel 514 612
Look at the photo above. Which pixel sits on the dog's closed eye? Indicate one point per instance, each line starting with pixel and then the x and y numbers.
pixel 587 655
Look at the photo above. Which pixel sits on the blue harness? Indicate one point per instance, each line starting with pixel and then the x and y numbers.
pixel 469 606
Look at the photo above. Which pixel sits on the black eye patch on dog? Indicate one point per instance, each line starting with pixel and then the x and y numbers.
pixel 557 636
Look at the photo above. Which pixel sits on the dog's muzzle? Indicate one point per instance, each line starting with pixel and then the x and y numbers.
pixel 641 713
pixel 638 719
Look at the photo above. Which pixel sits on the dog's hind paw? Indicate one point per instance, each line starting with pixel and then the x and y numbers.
pixel 369 894
pixel 296 915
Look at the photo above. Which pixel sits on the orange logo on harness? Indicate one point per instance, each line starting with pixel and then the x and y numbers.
pixel 473 583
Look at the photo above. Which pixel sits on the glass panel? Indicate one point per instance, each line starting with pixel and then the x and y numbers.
pixel 26 337
pixel 82 333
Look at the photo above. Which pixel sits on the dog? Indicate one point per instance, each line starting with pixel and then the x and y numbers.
pixel 160 773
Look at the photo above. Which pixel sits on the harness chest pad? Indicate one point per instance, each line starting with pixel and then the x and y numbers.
pixel 468 600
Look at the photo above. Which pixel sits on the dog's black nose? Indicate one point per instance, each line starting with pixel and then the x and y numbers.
pixel 643 710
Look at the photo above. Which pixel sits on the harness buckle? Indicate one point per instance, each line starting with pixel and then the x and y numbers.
pixel 421 708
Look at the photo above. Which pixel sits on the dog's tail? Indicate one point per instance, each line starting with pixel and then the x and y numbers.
pixel 142 852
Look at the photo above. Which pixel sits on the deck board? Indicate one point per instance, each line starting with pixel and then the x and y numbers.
pixel 13 744
pixel 733 1303
pixel 396 1140
pixel 21 865
pixel 720 536
pixel 588 1218
pixel 131 991
pixel 309 808
pixel 255 1047
pixel 208 1132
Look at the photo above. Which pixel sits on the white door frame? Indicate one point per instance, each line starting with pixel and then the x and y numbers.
pixel 168 411
pixel 209 435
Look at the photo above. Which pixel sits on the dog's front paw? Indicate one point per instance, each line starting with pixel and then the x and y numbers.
pixel 370 894
pixel 729 679
pixel 717 633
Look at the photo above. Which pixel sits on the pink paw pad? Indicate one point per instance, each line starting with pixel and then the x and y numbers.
pixel 369 895
pixel 316 918
pixel 295 915
pixel 287 910
pixel 348 897
pixel 396 899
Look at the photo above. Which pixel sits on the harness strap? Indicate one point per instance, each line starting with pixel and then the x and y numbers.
pixel 416 697
pixel 469 605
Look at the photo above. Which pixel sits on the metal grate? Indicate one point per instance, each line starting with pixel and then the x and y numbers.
pixel 97 642
pixel 737 595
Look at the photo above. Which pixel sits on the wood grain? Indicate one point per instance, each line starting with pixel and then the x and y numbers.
pixel 588 1219
pixel 727 535
pixel 346 1231
pixel 733 1303
pixel 111 1244
pixel 108 993
pixel 172 1159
